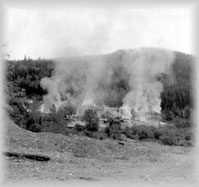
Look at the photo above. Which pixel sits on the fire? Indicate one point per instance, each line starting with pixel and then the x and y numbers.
pixel 126 111
pixel 126 80
pixel 88 101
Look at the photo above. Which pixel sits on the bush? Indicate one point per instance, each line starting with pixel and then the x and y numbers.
pixel 145 133
pixel 35 128
pixel 167 135
pixel 188 137
pixel 178 136
pixel 167 140
pixel 127 132
pixel 167 115
pixel 140 132
pixel 157 133
pixel 88 133
pixel 30 121
pixel 97 135
pixel 92 121
pixel 68 110
pixel 181 123
pixel 17 112
pixel 114 130
pixel 68 131
pixel 79 128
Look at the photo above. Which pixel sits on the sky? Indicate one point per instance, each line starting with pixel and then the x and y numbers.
pixel 59 32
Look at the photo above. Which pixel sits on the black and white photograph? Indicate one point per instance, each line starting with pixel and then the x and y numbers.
pixel 99 93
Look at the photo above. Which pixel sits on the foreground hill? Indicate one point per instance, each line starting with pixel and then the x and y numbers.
pixel 82 158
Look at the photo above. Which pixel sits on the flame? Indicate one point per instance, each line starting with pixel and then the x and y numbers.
pixel 126 111
pixel 88 101
pixel 43 109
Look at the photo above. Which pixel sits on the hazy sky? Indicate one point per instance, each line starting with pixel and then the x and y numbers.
pixel 60 32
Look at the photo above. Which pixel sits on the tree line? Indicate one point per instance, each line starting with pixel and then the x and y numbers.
pixel 23 81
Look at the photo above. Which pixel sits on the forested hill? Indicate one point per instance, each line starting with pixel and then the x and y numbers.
pixel 177 98
pixel 24 81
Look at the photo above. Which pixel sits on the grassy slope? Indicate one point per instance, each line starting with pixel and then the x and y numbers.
pixel 83 158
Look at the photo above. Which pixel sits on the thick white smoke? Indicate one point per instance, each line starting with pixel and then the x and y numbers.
pixel 144 66
pixel 126 79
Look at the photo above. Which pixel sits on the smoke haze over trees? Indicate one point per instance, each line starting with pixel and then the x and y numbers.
pixel 109 79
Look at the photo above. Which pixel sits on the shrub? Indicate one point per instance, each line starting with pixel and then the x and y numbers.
pixel 167 135
pixel 114 129
pixel 79 127
pixel 127 132
pixel 68 131
pixel 157 133
pixel 167 140
pixel 145 133
pixel 92 121
pixel 134 130
pixel 176 136
pixel 88 133
pixel 17 112
pixel 30 122
pixel 140 132
pixel 168 131
pixel 35 128
pixel 98 135
pixel 54 122
pixel 168 115
pixel 188 137
pixel 181 123
pixel 68 110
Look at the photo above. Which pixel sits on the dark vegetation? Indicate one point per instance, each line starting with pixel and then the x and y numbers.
pixel 177 98
pixel 23 84
pixel 24 77
pixel 40 158
pixel 114 129
pixel 92 120
pixel 168 135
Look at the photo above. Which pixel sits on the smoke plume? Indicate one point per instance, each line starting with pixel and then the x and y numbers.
pixel 126 78
pixel 144 66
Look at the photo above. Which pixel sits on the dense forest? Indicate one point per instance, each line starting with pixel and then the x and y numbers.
pixel 24 76
pixel 177 100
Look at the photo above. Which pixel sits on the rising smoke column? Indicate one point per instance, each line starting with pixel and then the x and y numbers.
pixel 144 66
pixel 94 74
pixel 114 84
pixel 53 96
pixel 67 83
pixel 126 79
